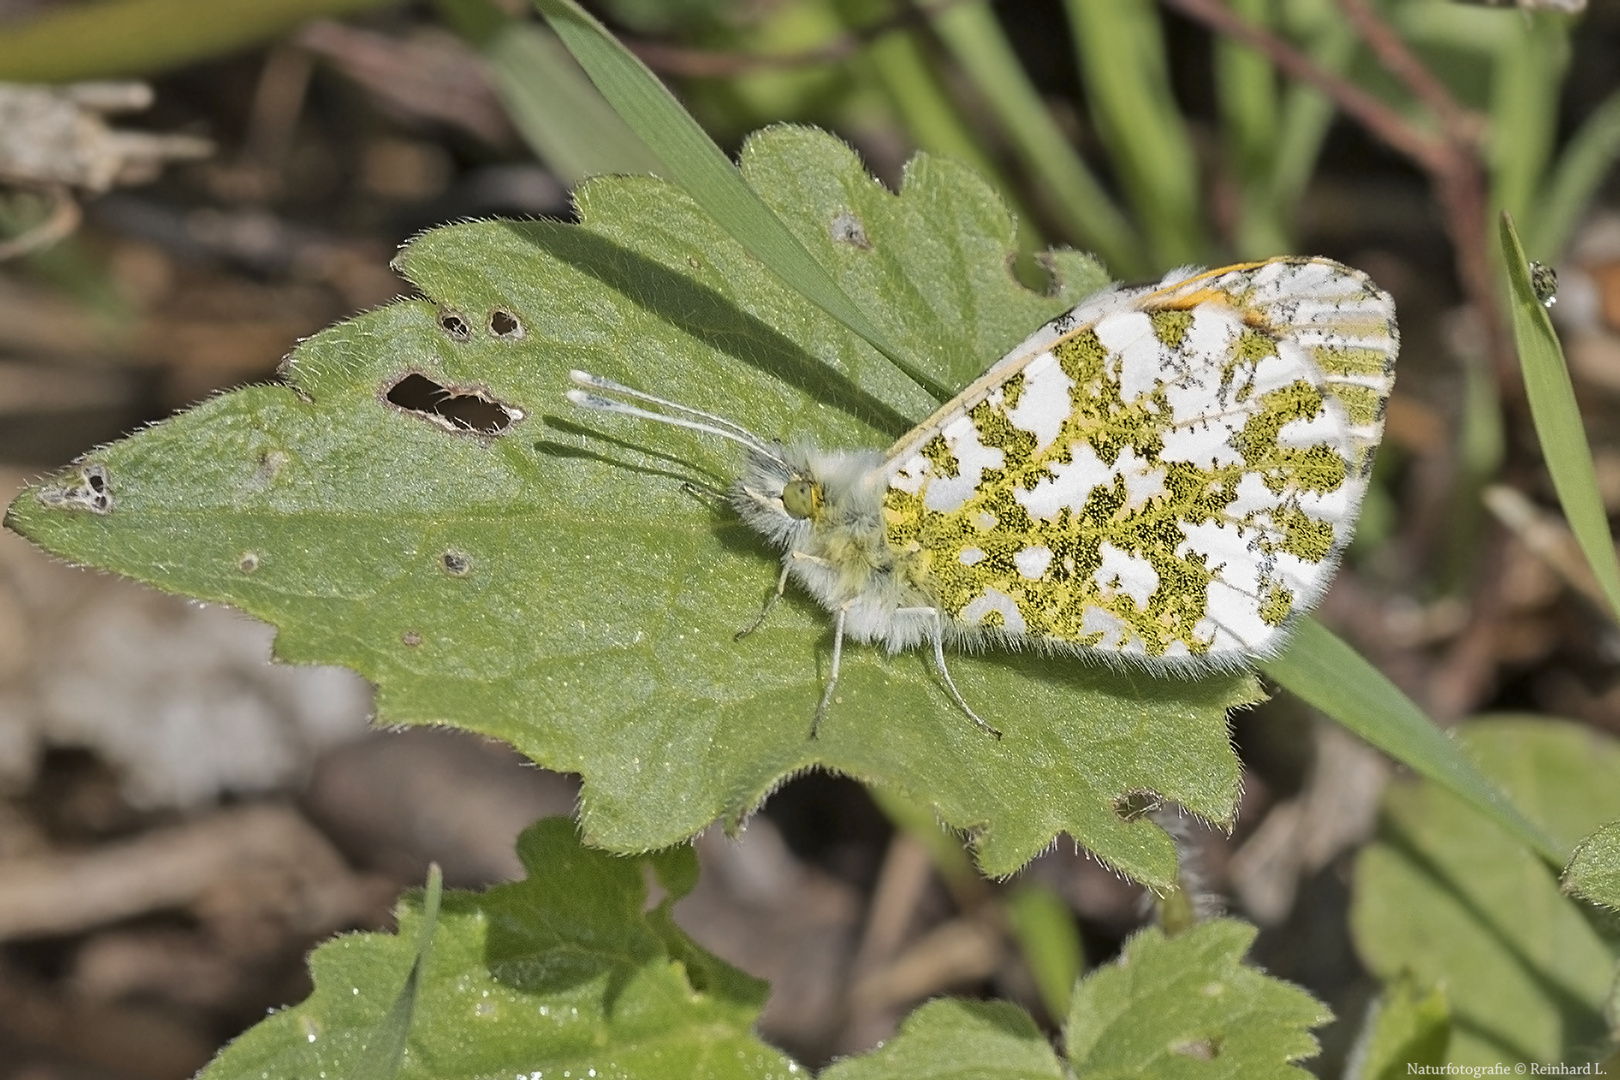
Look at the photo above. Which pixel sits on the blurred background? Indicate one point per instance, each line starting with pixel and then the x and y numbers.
pixel 180 821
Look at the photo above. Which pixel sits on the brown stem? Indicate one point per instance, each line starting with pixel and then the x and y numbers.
pixel 1426 149
pixel 1459 124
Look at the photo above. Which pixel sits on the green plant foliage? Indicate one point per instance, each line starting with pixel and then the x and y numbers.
pixel 1043 925
pixel 561 971
pixel 1408 1025
pixel 555 587
pixel 705 173
pixel 1333 677
pixel 962 1040
pixel 1447 895
pixel 1557 416
pixel 1187 1007
pixel 1594 871
pixel 569 973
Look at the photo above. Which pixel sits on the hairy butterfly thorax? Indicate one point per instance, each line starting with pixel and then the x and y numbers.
pixel 1163 477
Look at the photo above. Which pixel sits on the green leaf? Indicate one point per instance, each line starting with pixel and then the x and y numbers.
pixel 1448 895
pixel 1334 678
pixel 122 38
pixel 1188 1007
pixel 1558 420
pixel 560 971
pixel 699 166
pixel 1594 870
pixel 384 1050
pixel 554 586
pixel 1407 1025
pixel 961 1040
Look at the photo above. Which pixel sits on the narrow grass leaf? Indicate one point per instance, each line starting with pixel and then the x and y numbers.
pixel 1525 80
pixel 1558 419
pixel 1585 163
pixel 925 109
pixel 1247 95
pixel 1120 46
pixel 698 165
pixel 385 1048
pixel 1306 116
pixel 1046 933
pixel 976 41
pixel 1331 676
pixel 557 110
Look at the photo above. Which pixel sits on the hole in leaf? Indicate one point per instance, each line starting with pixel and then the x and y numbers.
pixel 456 564
pixel 454 324
pixel 1136 804
pixel 504 324
pixel 89 487
pixel 457 409
pixel 248 563
pixel 846 228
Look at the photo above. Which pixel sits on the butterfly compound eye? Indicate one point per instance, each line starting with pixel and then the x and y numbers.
pixel 801 498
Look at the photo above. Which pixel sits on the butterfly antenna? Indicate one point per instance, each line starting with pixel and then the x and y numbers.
pixel 708 422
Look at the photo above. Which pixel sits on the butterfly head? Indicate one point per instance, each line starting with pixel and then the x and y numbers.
pixel 802 498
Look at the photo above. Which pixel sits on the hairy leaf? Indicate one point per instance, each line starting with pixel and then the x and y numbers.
pixel 959 1040
pixel 1594 871
pixel 1187 1008
pixel 559 974
pixel 420 503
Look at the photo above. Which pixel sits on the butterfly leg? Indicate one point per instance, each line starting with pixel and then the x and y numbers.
pixel 770 602
pixel 944 673
pixel 832 674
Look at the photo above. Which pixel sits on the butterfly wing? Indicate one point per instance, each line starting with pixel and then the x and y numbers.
pixel 1163 474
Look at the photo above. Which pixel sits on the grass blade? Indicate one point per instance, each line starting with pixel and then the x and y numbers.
pixel 1584 165
pixel 1247 95
pixel 1558 419
pixel 560 114
pixel 1120 45
pixel 1044 928
pixel 974 37
pixel 1306 116
pixel 699 166
pixel 1335 679
pixel 1525 80
pixel 385 1048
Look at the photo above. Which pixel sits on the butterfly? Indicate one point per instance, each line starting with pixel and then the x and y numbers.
pixel 1163 477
